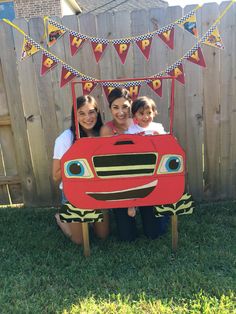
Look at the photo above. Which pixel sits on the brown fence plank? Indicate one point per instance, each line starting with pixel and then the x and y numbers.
pixel 180 47
pixel 88 27
pixel 194 119
pixel 211 109
pixel 33 122
pixel 13 192
pixel 158 18
pixel 71 22
pixel 4 120
pixel 21 147
pixel 139 25
pixel 46 100
pixel 61 98
pixel 227 30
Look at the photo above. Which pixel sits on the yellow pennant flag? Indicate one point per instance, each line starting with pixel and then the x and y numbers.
pixel 214 39
pixel 29 48
pixel 189 23
pixel 54 33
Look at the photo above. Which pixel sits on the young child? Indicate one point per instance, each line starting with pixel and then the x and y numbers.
pixel 143 111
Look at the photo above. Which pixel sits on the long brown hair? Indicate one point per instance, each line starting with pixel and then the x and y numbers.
pixel 80 102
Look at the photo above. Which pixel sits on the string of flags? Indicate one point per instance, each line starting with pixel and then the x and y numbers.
pixel 55 31
pixel 194 55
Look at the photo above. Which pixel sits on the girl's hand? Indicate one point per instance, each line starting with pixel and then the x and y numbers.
pixel 131 211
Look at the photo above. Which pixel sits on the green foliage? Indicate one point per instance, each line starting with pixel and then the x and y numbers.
pixel 43 272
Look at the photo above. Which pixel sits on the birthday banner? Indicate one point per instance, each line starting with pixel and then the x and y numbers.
pixel 55 31
pixel 194 55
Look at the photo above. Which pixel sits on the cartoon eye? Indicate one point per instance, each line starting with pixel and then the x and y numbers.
pixel 77 169
pixel 171 164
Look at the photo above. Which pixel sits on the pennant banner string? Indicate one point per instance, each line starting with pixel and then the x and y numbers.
pixel 15 26
pixel 55 58
pixel 125 39
pixel 139 37
pixel 128 82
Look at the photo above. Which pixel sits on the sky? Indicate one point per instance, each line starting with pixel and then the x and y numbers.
pixel 183 3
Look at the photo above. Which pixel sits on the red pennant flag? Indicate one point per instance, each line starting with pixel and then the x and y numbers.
pixel 134 91
pixel 156 86
pixel 145 46
pixel 107 90
pixel 168 37
pixel 197 57
pixel 67 74
pixel 98 49
pixel 87 87
pixel 122 50
pixel 178 71
pixel 76 43
pixel 48 62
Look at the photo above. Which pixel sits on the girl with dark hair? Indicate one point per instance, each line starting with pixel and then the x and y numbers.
pixel 79 103
pixel 120 105
pixel 90 122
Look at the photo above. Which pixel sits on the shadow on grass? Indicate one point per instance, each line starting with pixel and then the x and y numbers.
pixel 43 272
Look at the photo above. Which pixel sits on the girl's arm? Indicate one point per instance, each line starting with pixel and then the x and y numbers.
pixel 56 170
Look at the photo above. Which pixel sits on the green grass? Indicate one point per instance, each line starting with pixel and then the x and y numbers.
pixel 41 271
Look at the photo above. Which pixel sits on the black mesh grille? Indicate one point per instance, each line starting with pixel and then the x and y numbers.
pixel 125 165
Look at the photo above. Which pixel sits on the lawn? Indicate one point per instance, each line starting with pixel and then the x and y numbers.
pixel 43 272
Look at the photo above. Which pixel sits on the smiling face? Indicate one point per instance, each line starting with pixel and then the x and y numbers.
pixel 87 117
pixel 144 116
pixel 120 110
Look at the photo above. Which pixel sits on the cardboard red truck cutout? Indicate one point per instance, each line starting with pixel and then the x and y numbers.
pixel 124 171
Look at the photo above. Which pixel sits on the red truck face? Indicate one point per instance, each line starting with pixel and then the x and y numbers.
pixel 123 171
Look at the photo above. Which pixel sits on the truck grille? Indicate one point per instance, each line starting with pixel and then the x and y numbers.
pixel 125 165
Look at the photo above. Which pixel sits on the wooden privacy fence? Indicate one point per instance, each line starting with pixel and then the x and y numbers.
pixel 34 109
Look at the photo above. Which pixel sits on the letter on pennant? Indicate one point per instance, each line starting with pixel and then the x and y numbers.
pixel 66 76
pixel 145 46
pixel 75 44
pixel 178 72
pixel 87 87
pixel 168 37
pixel 134 91
pixel 156 86
pixel 197 58
pixel 47 63
pixel 98 49
pixel 122 50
